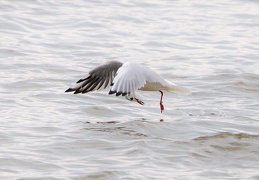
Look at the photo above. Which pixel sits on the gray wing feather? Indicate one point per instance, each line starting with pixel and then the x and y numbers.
pixel 98 78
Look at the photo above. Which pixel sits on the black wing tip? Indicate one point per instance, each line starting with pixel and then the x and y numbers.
pixel 83 92
pixel 112 92
pixel 124 94
pixel 81 80
pixel 77 91
pixel 69 90
pixel 119 93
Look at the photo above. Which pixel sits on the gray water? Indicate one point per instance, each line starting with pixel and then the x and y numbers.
pixel 210 47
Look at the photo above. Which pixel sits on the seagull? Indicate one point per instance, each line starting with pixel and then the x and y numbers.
pixel 124 79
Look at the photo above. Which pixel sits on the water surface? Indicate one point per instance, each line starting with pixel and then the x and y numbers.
pixel 211 47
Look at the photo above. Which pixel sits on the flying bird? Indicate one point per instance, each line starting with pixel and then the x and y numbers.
pixel 124 79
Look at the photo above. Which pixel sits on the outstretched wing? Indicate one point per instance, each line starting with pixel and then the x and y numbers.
pixel 132 76
pixel 98 78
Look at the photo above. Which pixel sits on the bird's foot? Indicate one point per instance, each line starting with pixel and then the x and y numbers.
pixel 139 101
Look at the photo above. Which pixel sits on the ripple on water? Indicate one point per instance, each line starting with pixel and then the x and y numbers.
pixel 207 46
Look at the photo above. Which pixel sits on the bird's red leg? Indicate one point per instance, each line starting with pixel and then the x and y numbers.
pixel 161 103
pixel 139 101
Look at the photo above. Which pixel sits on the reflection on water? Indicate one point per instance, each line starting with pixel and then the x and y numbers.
pixel 230 142
pixel 120 130
pixel 227 135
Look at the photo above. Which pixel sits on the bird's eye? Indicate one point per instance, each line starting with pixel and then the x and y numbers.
pixel 131 98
